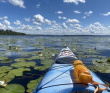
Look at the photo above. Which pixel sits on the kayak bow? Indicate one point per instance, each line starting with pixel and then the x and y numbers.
pixel 60 77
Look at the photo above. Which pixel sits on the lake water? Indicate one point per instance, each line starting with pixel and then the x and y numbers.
pixel 16 47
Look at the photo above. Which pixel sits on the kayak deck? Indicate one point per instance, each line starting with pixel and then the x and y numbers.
pixel 60 77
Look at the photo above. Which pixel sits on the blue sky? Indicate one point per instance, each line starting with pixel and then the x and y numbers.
pixel 67 17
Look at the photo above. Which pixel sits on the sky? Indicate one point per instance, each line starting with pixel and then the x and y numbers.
pixel 56 17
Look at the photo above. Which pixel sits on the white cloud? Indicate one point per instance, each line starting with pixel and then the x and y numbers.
pixel 64 25
pixel 6 22
pixel 19 3
pixel 74 1
pixel 88 13
pixel 2 26
pixel 97 23
pixel 38 5
pixel 59 12
pixel 47 21
pixel 96 28
pixel 106 14
pixel 84 17
pixel 59 17
pixel 64 18
pixel 24 27
pixel 27 19
pixel 77 12
pixel 38 18
pixel 17 22
pixel 36 23
pixel 72 21
pixel 6 25
pixel 3 18
pixel 38 28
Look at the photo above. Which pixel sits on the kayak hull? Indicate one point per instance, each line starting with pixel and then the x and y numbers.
pixel 60 79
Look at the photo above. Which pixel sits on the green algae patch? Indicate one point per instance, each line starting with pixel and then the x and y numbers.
pixel 13 88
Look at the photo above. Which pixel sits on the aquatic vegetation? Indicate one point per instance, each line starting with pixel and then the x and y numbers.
pixel 24 64
pixel 47 62
pixel 28 49
pixel 30 64
pixel 3 58
pixel 5 69
pixel 20 59
pixel 33 57
pixel 13 88
pixel 6 60
pixel 91 67
pixel 19 71
pixel 108 60
pixel 32 84
pixel 101 65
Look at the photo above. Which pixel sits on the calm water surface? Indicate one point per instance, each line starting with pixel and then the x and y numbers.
pixel 37 43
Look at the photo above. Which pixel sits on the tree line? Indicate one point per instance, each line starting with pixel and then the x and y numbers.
pixel 10 32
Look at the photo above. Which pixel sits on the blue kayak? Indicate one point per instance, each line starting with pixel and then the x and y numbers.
pixel 60 77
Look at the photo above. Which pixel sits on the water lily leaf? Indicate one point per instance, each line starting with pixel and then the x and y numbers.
pixel 36 67
pixel 33 57
pixel 16 72
pixel 23 64
pixel 6 61
pixel 33 83
pixel 30 64
pixel 3 58
pixel 13 88
pixel 29 90
pixel 5 69
pixel 20 59
pixel 19 71
pixel 19 64
pixel 2 74
pixel 26 70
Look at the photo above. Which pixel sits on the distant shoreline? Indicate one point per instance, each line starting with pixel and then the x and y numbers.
pixel 10 32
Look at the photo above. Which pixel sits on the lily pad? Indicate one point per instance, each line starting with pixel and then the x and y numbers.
pixel 33 57
pixel 19 71
pixel 30 64
pixel 32 84
pixel 3 58
pixel 5 69
pixel 20 59
pixel 13 88
pixel 19 64
pixel 6 61
pixel 23 64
